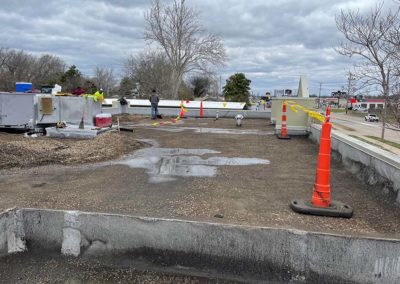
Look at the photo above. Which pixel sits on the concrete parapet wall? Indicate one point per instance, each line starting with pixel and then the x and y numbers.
pixel 177 103
pixel 173 112
pixel 3 233
pixel 247 253
pixel 12 236
pixel 293 130
pixel 369 163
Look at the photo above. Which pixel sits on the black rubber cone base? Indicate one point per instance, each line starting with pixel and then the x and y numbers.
pixel 287 137
pixel 336 209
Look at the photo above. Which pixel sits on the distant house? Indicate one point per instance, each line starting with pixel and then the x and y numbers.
pixel 335 102
pixel 330 101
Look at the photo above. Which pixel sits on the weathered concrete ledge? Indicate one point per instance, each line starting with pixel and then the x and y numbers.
pixel 73 132
pixel 248 253
pixel 369 163
pixel 173 112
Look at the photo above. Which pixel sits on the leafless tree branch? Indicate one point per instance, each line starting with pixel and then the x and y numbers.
pixel 366 36
pixel 176 28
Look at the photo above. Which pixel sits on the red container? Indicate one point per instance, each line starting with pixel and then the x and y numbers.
pixel 103 120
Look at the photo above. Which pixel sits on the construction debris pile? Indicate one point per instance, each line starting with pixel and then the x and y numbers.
pixel 18 151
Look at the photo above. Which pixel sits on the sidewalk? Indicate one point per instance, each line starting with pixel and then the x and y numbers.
pixel 354 133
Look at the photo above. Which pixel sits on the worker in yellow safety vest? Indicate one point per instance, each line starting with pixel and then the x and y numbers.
pixel 99 96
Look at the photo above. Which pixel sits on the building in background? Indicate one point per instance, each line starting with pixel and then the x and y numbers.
pixel 371 104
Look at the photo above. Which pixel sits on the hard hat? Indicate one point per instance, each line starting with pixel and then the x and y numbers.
pixel 101 89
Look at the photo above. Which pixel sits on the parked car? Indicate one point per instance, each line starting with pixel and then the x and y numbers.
pixel 371 117
pixel 360 109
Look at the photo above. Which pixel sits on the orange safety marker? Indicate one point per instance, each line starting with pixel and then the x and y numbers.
pixel 183 110
pixel 321 203
pixel 284 134
pixel 201 109
pixel 322 188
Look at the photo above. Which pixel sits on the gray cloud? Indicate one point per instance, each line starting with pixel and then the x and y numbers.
pixel 272 42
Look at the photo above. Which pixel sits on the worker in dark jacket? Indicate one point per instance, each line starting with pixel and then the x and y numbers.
pixel 154 99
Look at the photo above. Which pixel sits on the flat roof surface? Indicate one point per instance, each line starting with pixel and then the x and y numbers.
pixel 206 170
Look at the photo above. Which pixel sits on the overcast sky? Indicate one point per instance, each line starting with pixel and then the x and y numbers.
pixel 271 41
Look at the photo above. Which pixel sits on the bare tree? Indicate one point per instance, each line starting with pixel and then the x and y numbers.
pixel 105 79
pixel 176 28
pixel 365 38
pixel 394 107
pixel 17 65
pixel 4 55
pixel 393 38
pixel 151 70
pixel 48 69
pixel 200 85
pixel 4 76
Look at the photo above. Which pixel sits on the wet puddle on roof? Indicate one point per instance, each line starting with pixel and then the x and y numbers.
pixel 167 164
pixel 209 130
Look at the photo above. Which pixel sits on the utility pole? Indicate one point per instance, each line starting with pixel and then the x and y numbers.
pixel 350 78
pixel 319 95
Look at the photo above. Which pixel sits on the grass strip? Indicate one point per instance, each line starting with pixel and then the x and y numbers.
pixel 391 143
pixel 338 110
pixel 370 142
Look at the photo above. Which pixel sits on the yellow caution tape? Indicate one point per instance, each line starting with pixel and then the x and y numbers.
pixel 182 107
pixel 296 107
pixel 174 120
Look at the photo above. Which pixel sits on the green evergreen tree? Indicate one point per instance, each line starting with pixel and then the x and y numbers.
pixel 72 72
pixel 71 79
pixel 237 88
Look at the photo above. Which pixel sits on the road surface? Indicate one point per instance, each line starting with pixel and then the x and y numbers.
pixel 357 126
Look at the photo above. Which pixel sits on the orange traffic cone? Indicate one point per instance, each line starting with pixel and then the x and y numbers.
pixel 201 109
pixel 321 203
pixel 284 134
pixel 183 110
pixel 322 188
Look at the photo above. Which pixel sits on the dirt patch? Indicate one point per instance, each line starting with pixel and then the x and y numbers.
pixel 18 151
